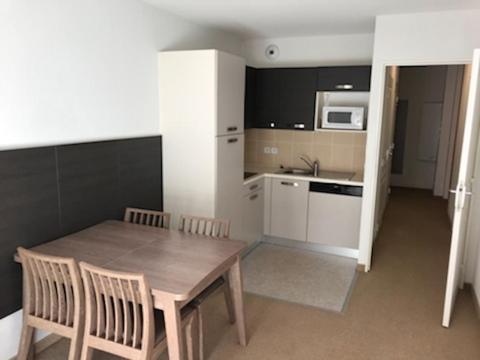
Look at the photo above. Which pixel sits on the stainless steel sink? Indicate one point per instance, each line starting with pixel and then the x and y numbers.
pixel 293 171
pixel 331 175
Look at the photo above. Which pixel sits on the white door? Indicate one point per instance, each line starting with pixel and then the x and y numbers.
pixel 462 191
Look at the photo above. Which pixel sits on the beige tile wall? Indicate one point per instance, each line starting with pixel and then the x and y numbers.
pixel 338 151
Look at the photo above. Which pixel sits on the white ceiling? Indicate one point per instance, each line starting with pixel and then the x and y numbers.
pixel 281 18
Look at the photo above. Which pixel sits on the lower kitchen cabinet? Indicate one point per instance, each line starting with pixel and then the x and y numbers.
pixel 289 209
pixel 253 207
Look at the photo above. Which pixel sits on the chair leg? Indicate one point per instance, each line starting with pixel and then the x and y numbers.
pixel 199 335
pixel 189 328
pixel 194 350
pixel 75 347
pixel 228 299
pixel 87 352
pixel 25 348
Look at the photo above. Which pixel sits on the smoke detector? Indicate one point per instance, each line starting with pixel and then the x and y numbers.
pixel 272 51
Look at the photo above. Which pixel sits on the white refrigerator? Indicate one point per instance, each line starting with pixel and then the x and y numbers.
pixel 201 104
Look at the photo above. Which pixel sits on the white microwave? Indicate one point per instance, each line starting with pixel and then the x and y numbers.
pixel 343 117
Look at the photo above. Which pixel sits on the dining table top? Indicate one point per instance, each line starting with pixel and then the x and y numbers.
pixel 176 264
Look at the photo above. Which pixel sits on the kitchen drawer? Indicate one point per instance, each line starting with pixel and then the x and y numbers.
pixel 253 186
pixel 289 208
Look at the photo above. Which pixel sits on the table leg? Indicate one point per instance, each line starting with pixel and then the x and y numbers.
pixel 236 286
pixel 173 327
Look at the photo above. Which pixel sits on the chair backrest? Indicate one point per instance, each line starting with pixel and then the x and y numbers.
pixel 52 289
pixel 147 217
pixel 204 226
pixel 119 311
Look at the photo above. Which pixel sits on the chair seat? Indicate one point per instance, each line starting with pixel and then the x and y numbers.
pixel 208 291
pixel 160 333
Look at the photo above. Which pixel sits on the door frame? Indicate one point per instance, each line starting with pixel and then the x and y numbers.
pixel 373 148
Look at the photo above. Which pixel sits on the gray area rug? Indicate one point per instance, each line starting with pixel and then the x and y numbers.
pixel 299 276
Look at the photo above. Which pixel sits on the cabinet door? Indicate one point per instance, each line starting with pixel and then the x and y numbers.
pixel 230 94
pixel 250 90
pixel 253 216
pixel 285 98
pixel 344 78
pixel 229 181
pixel 268 98
pixel 298 106
pixel 289 207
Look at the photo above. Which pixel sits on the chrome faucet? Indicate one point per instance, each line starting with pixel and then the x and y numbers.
pixel 313 165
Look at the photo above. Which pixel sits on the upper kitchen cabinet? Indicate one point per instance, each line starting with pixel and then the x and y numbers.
pixel 250 94
pixel 344 78
pixel 285 98
pixel 230 98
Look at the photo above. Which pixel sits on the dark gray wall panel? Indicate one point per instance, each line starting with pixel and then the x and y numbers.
pixel 49 192
pixel 28 213
pixel 140 173
pixel 88 182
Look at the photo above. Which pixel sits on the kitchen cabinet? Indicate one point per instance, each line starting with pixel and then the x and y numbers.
pixel 344 78
pixel 230 152
pixel 253 207
pixel 288 209
pixel 203 162
pixel 250 94
pixel 285 98
pixel 230 98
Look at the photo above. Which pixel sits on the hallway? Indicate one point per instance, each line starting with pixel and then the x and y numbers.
pixel 394 311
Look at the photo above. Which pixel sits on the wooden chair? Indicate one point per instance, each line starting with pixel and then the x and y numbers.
pixel 204 226
pixel 120 318
pixel 215 228
pixel 53 300
pixel 147 217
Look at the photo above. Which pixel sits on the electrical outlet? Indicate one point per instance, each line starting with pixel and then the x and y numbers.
pixel 274 150
pixel 267 150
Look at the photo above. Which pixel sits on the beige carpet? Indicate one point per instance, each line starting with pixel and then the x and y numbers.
pixel 299 276
pixel 394 312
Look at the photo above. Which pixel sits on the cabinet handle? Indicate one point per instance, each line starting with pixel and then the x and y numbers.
pixel 253 197
pixel 234 140
pixel 299 126
pixel 232 128
pixel 344 86
pixel 289 183
pixel 253 187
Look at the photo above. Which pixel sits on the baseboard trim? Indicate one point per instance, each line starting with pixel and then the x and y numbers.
pixel 476 304
pixel 44 343
pixel 326 249
pixel 361 268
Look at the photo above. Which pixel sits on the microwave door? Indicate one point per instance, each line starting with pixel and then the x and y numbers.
pixel 338 117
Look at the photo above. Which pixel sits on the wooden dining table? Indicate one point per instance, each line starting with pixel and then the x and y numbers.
pixel 178 266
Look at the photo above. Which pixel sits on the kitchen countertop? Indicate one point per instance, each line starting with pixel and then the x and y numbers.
pixel 356 180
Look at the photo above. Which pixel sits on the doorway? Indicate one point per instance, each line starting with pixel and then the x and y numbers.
pixel 422 131
pixel 422 152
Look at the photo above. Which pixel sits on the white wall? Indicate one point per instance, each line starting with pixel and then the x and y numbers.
pixel 410 39
pixel 355 49
pixel 74 71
